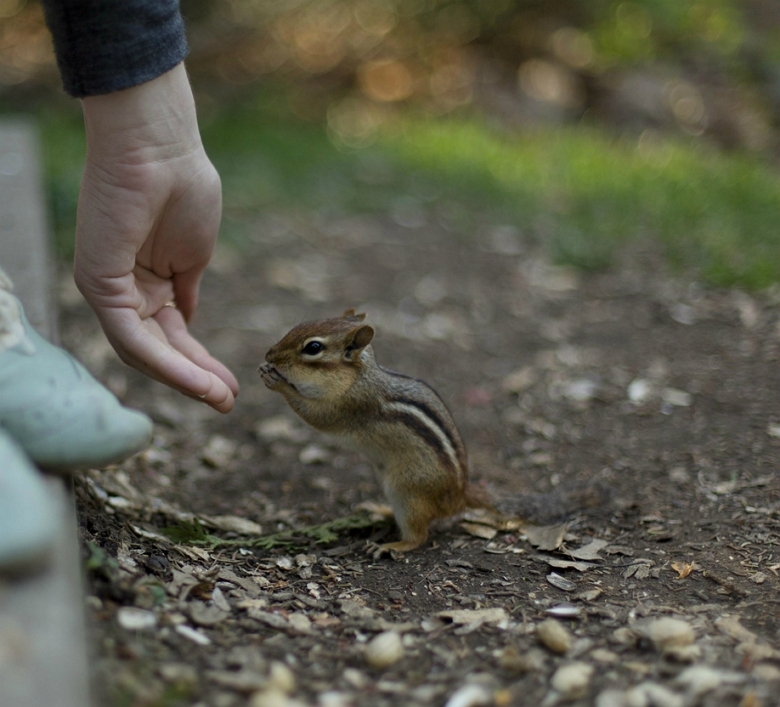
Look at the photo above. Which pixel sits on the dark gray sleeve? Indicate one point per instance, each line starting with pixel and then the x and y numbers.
pixel 107 45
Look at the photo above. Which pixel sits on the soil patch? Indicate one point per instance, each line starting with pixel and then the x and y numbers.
pixel 662 390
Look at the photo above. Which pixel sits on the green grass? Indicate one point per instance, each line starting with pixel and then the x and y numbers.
pixel 577 191
pixel 715 212
pixel 63 145
pixel 328 532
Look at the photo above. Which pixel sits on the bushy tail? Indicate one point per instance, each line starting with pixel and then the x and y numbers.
pixel 542 508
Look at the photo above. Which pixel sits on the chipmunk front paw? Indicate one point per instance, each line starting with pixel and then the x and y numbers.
pixel 271 377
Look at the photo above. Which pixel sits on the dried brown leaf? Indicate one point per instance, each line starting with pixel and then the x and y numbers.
pixel 206 615
pixel 589 551
pixel 545 537
pixel 569 564
pixel 236 524
pixel 683 569
pixel 194 553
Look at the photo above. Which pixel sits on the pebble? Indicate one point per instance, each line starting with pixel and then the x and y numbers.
pixel 511 660
pixel 699 679
pixel 519 380
pixel 611 698
pixel 640 669
pixel 355 678
pixel 280 677
pixel 334 698
pixel 683 654
pixel 640 390
pixel 580 647
pixel 572 681
pixel 565 611
pixel 246 681
pixel 134 619
pixel 273 429
pixel 651 694
pixel 581 390
pixel 300 622
pixel 766 671
pixel 356 611
pixel 678 398
pixel 384 650
pixel 219 451
pixel 178 673
pixel 284 562
pixel 682 313
pixel 554 635
pixel 624 636
pixel 602 655
pixel 313 454
pixel 470 696
pixel 274 698
pixel 470 616
pixel 426 693
pixel 561 583
pixel 667 632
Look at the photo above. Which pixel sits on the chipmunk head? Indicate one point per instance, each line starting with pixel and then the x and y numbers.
pixel 322 359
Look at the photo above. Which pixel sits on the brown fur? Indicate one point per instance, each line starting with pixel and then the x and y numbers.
pixel 400 423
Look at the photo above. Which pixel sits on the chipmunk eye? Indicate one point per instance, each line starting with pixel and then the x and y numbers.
pixel 313 348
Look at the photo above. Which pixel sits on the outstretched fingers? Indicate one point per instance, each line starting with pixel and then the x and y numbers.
pixel 173 325
pixel 143 344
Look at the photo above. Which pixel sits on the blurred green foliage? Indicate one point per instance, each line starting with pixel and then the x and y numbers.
pixel 378 71
pixel 647 29
pixel 64 147
pixel 583 194
pixel 319 36
pixel 579 192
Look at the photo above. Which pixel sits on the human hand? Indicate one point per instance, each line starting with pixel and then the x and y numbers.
pixel 148 217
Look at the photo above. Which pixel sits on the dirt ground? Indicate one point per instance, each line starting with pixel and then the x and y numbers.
pixel 663 390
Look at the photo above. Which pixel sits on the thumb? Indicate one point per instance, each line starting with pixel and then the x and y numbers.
pixel 186 286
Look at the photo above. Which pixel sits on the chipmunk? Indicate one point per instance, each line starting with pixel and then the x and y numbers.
pixel 327 373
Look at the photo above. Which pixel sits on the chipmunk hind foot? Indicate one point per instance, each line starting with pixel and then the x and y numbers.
pixel 400 546
pixel 413 519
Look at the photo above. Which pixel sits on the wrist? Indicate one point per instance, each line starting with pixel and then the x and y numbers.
pixel 154 121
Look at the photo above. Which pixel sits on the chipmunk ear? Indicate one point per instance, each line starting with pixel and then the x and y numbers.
pixel 357 340
pixel 351 314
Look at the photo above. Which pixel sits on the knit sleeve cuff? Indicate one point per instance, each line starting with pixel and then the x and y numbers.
pixel 107 45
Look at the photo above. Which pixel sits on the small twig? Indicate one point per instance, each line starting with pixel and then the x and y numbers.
pixel 727 584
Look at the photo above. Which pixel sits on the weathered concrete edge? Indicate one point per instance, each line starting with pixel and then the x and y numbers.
pixel 48 609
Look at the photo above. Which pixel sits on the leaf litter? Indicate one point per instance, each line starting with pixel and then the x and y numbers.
pixel 230 564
